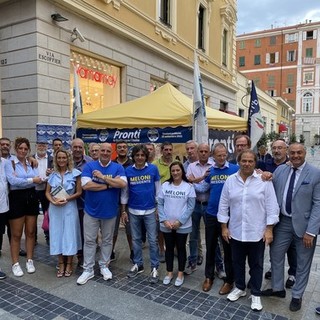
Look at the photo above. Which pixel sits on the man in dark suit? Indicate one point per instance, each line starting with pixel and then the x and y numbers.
pixel 298 193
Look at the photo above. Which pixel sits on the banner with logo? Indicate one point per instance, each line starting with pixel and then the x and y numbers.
pixel 144 135
pixel 178 136
pixel 48 132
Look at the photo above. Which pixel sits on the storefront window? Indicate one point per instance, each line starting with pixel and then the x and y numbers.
pixel 99 82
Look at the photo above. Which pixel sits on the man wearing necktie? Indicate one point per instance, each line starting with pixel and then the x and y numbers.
pixel 297 188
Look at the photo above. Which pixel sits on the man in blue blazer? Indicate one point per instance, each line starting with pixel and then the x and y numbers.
pixel 298 193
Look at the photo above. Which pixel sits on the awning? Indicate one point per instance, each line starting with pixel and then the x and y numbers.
pixel 283 128
pixel 230 112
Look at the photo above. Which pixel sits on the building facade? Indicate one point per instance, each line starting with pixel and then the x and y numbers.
pixel 119 49
pixel 285 62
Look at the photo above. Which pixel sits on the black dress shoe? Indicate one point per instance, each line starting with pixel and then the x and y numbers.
pixel 290 282
pixel 22 253
pixel 268 275
pixel 199 260
pixel 295 304
pixel 271 293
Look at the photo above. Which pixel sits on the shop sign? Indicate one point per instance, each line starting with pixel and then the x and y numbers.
pixel 97 76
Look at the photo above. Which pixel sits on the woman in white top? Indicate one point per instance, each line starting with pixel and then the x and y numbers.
pixel 176 202
pixel 248 210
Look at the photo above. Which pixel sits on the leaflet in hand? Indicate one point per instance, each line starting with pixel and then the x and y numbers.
pixel 59 193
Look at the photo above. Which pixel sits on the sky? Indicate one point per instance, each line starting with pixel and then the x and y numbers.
pixel 257 15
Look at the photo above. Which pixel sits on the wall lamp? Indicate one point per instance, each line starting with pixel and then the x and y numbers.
pixel 58 17
pixel 76 34
pixel 248 89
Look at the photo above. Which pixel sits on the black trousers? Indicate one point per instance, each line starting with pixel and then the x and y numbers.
pixel 173 239
pixel 3 224
pixel 255 253
pixel 212 233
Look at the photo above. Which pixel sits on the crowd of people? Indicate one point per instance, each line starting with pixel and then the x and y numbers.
pixel 246 203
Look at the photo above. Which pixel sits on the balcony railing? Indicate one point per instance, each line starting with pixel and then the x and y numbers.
pixel 309 60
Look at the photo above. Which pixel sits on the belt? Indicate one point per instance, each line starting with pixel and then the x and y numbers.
pixel 284 215
pixel 204 203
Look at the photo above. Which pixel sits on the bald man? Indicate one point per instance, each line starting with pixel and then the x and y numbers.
pixel 102 180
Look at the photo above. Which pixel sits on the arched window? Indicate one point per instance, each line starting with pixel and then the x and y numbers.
pixel 307 103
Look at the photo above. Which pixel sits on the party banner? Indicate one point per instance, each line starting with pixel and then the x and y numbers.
pixel 48 132
pixel 144 135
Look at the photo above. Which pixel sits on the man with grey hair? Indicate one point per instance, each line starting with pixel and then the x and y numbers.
pixel 192 154
pixel 196 173
pixel 218 175
pixel 94 150
pixel 102 180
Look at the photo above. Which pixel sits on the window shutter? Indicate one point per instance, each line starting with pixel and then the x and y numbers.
pixel 274 93
pixel 286 38
pixel 294 55
pixel 288 55
pixel 296 36
pixel 314 34
pixel 277 57
pixel 304 35
pixel 268 58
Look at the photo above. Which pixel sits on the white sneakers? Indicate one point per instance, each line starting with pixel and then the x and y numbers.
pixel 106 273
pixel 256 303
pixel 30 267
pixel 235 294
pixel 16 270
pixel 154 276
pixel 85 276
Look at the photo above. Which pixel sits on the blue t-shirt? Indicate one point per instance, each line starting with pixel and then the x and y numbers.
pixel 102 204
pixel 217 177
pixel 141 186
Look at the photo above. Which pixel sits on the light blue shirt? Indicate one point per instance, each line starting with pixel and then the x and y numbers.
pixel 18 177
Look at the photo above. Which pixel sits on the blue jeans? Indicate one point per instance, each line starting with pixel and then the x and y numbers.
pixel 150 223
pixel 199 211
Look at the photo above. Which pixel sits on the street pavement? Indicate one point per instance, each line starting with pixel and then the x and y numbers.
pixel 43 296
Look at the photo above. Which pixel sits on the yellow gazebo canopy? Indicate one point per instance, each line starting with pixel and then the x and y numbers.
pixel 165 107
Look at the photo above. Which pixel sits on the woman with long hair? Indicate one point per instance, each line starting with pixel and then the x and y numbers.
pixel 23 202
pixel 63 188
pixel 176 202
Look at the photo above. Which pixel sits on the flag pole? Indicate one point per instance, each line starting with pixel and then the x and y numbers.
pixel 77 102
pixel 200 123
